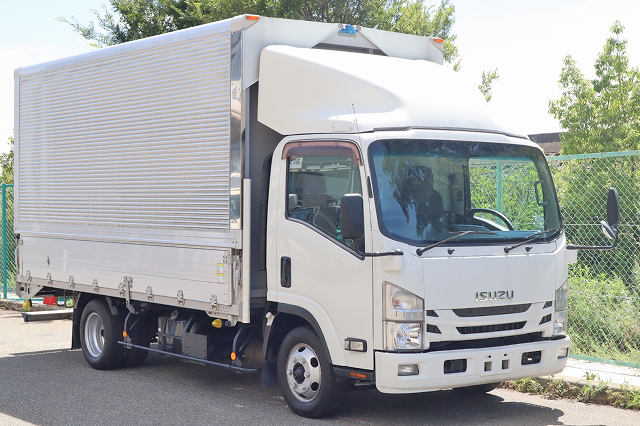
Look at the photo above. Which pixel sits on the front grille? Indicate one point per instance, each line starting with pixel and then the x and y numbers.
pixel 491 328
pixel 492 310
pixel 484 343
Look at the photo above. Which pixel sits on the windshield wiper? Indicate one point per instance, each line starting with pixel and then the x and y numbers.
pixel 458 235
pixel 530 239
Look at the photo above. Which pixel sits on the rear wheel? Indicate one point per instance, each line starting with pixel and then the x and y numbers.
pixel 306 377
pixel 100 333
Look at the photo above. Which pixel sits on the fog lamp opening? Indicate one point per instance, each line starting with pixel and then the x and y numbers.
pixel 408 370
pixel 563 353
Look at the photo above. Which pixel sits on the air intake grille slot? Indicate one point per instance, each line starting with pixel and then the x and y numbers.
pixel 491 328
pixel 492 310
pixel 545 319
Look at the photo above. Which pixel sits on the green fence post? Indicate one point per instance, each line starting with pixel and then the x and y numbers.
pixel 4 238
pixel 499 186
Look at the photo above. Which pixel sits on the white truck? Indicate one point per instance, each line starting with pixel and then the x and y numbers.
pixel 321 202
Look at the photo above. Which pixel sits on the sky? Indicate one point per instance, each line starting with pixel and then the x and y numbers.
pixel 526 40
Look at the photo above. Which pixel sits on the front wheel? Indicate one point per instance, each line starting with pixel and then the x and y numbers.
pixel 306 377
pixel 100 333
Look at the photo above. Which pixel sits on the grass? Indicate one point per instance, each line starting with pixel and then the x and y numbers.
pixel 598 393
pixel 603 317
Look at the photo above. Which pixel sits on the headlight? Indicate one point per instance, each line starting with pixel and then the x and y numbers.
pixel 404 314
pixel 562 297
pixel 401 305
pixel 404 336
pixel 562 303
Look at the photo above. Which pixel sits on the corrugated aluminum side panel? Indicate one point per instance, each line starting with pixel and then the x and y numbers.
pixel 136 139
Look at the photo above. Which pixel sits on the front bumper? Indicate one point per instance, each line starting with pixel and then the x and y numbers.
pixel 485 365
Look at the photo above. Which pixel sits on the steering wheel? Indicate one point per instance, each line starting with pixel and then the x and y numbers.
pixel 322 221
pixel 471 213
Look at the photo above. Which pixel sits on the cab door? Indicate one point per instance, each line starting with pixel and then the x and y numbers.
pixel 318 270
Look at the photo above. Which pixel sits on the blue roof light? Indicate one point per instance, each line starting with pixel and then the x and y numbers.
pixel 348 29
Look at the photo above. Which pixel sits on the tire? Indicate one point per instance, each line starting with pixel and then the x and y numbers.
pixel 478 389
pixel 141 335
pixel 306 377
pixel 100 333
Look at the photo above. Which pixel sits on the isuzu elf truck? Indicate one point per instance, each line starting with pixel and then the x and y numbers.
pixel 325 204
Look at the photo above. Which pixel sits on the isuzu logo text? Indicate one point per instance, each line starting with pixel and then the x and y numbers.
pixel 485 296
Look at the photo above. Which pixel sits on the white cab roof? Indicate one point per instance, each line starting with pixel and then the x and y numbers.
pixel 317 91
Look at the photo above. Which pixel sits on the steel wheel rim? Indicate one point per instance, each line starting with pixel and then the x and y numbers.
pixel 303 372
pixel 94 334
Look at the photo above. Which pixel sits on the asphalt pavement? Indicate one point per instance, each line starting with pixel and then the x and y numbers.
pixel 43 382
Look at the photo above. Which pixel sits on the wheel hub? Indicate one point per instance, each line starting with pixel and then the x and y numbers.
pixel 94 335
pixel 303 372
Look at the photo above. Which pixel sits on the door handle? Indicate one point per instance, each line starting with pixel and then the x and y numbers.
pixel 285 271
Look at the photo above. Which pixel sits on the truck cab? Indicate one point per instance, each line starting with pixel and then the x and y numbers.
pixel 457 275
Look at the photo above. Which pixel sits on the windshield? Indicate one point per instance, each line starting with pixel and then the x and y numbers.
pixel 427 190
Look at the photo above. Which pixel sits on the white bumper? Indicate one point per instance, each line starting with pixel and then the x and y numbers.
pixel 485 365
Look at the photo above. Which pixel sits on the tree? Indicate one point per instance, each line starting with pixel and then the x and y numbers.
pixel 135 19
pixel 488 77
pixel 601 114
pixel 6 160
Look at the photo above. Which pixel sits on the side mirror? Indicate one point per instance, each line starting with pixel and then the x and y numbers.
pixel 538 192
pixel 610 227
pixel 613 208
pixel 608 230
pixel 352 217
pixel 613 215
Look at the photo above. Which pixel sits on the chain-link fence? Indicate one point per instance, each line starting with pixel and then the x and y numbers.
pixel 604 296
pixel 8 246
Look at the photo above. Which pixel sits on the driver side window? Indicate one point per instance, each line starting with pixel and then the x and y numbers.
pixel 316 184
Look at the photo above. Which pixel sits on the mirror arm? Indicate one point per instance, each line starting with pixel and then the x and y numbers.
pixel 611 247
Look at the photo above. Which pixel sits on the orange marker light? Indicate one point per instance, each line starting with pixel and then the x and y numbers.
pixel 438 40
pixel 124 334
pixel 233 356
pixel 357 375
pixel 253 17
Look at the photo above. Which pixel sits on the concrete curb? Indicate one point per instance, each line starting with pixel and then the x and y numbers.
pixel 584 382
pixel 16 305
pixel 572 388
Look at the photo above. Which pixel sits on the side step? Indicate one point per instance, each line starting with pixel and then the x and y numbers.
pixel 47 315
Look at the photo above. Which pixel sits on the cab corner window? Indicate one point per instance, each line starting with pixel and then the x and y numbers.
pixel 315 186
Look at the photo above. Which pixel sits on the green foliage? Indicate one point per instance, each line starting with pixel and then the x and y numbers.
pixel 135 19
pixel 414 17
pixel 626 397
pixel 601 114
pixel 6 161
pixel 527 385
pixel 603 317
pixel 488 77
pixel 589 393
